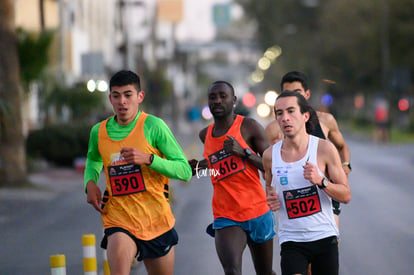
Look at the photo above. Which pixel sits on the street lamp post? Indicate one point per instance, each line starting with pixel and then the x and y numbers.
pixel 385 46
pixel 62 41
pixel 126 47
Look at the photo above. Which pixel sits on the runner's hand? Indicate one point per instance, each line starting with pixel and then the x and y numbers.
pixel 231 145
pixel 310 173
pixel 93 196
pixel 272 198
pixel 133 155
pixel 193 163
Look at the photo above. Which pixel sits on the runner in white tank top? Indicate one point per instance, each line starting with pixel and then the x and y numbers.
pixel 305 211
pixel 300 188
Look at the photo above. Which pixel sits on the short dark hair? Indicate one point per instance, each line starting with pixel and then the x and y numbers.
pixel 222 82
pixel 304 107
pixel 295 76
pixel 125 77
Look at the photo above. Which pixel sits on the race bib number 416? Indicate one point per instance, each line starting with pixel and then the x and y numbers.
pixel 302 202
pixel 226 164
pixel 126 179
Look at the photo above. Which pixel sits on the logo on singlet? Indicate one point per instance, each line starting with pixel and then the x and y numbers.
pixel 112 172
pixel 117 159
pixel 282 175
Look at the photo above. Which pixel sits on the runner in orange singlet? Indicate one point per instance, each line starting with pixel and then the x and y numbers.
pixel 139 154
pixel 232 148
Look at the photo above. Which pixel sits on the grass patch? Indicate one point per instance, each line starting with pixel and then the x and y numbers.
pixel 367 129
pixel 399 136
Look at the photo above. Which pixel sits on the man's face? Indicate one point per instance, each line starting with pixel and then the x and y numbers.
pixel 125 101
pixel 297 87
pixel 289 117
pixel 221 100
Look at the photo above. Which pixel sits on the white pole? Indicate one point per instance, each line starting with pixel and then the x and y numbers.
pixel 90 266
pixel 106 270
pixel 58 264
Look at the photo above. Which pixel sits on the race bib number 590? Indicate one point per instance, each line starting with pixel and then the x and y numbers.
pixel 126 179
pixel 226 164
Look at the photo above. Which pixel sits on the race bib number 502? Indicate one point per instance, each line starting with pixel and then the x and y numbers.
pixel 226 164
pixel 302 202
pixel 126 179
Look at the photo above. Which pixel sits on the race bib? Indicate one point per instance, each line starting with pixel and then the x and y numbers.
pixel 302 202
pixel 226 164
pixel 126 179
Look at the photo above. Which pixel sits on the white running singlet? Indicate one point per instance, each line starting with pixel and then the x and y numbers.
pixel 305 210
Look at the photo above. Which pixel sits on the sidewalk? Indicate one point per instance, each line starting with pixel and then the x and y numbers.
pixel 49 181
pixel 47 184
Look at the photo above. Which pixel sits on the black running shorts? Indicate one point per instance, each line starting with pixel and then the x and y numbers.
pixel 151 249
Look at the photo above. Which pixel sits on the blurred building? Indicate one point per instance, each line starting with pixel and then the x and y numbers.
pixel 82 48
pixel 94 38
pixel 84 29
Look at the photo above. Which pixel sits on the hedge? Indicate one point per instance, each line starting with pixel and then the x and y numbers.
pixel 59 144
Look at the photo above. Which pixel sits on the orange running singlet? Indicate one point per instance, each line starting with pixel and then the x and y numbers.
pixel 136 192
pixel 238 192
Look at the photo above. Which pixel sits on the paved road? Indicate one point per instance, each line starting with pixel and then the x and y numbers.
pixel 376 227
pixel 35 224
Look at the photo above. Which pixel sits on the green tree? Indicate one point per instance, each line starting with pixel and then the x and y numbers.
pixel 293 25
pixel 358 46
pixel 159 89
pixel 345 35
pixel 12 150
pixel 365 44
pixel 352 55
pixel 78 100
pixel 33 50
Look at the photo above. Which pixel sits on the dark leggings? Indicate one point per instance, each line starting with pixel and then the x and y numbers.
pixel 230 244
pixel 322 254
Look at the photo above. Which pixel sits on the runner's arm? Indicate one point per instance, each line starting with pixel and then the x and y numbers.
pixel 336 137
pixel 328 157
pixel 94 164
pixel 271 195
pixel 199 164
pixel 255 136
pixel 175 164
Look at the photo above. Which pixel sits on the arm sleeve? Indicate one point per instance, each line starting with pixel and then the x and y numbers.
pixel 175 164
pixel 94 163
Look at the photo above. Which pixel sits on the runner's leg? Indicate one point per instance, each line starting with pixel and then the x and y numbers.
pixel 327 260
pixel 230 244
pixel 262 256
pixel 120 252
pixel 161 266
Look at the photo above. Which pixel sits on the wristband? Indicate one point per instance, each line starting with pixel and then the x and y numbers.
pixel 347 164
pixel 151 159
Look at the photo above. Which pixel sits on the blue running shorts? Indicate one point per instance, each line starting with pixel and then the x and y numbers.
pixel 260 229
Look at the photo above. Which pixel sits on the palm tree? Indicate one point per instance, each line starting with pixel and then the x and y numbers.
pixel 13 170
